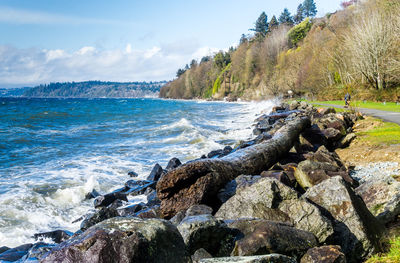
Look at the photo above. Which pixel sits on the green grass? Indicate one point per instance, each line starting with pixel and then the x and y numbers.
pixel 389 106
pixel 392 256
pixel 386 133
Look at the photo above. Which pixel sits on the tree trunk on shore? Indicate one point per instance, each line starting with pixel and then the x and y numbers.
pixel 198 182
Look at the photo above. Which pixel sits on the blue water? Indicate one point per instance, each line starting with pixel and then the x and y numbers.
pixel 54 151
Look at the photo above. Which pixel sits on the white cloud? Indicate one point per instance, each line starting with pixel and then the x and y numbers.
pixel 128 48
pixel 86 50
pixel 35 66
pixel 22 16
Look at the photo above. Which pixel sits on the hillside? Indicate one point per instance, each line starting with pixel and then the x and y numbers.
pixel 95 89
pixel 353 50
pixel 13 92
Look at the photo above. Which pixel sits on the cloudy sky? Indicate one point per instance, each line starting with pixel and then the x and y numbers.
pixel 121 40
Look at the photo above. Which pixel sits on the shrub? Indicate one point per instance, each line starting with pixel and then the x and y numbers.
pixel 298 32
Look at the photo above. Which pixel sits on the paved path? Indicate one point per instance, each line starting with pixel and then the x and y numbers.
pixel 384 115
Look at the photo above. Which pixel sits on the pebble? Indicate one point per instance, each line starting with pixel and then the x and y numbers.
pixel 361 173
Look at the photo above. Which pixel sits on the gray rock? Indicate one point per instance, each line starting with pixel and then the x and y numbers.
pixel 294 105
pixel 272 258
pixel 133 174
pixel 205 231
pixel 308 217
pixel 155 173
pixel 98 216
pixel 152 212
pixel 123 239
pixel 173 163
pixel 105 200
pixel 259 200
pixel 357 231
pixel 245 226
pixel 178 218
pixel 200 254
pixel 346 140
pixel 272 237
pixel 303 104
pixel 310 173
pixel 381 194
pixel 199 210
pixel 239 182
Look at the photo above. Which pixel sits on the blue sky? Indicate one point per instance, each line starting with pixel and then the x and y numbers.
pixel 46 40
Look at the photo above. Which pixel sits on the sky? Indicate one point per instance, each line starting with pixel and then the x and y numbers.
pixel 44 41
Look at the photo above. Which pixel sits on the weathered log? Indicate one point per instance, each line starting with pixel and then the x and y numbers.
pixel 198 182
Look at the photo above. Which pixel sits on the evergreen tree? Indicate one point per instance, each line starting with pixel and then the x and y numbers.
pixel 261 28
pixel 285 17
pixel 309 7
pixel 273 23
pixel 299 15
pixel 193 63
pixel 180 72
pixel 243 39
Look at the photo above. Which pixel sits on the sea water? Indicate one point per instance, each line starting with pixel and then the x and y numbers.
pixel 55 151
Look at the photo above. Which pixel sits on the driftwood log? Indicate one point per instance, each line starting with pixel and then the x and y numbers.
pixel 198 182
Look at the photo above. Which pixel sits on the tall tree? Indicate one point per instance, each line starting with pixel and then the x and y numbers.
pixel 286 17
pixel 180 72
pixel 261 25
pixel 309 7
pixel 299 16
pixel 273 23
pixel 243 39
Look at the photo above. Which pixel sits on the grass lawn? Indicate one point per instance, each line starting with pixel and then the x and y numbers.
pixel 379 132
pixel 392 256
pixel 389 106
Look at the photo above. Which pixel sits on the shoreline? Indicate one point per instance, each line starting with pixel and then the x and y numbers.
pixel 160 192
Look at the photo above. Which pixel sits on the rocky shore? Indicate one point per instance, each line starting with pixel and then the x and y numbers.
pixel 284 196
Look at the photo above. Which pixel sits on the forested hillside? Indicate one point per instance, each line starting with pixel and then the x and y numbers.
pixel 96 89
pixel 356 50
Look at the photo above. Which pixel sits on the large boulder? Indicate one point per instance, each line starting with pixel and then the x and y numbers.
pixel 310 173
pixel 271 258
pixel 155 173
pixel 357 231
pixel 123 239
pixel 324 254
pixel 239 182
pixel 272 237
pixel 308 217
pixel 259 200
pixel 332 120
pixel 320 166
pixel 207 232
pixel 381 194
pixel 102 214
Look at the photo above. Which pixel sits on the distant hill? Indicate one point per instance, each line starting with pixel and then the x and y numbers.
pixel 13 92
pixel 95 89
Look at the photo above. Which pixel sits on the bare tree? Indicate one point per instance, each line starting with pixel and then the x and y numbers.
pixel 372 45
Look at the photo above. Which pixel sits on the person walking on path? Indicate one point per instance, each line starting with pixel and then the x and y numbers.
pixel 347 99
